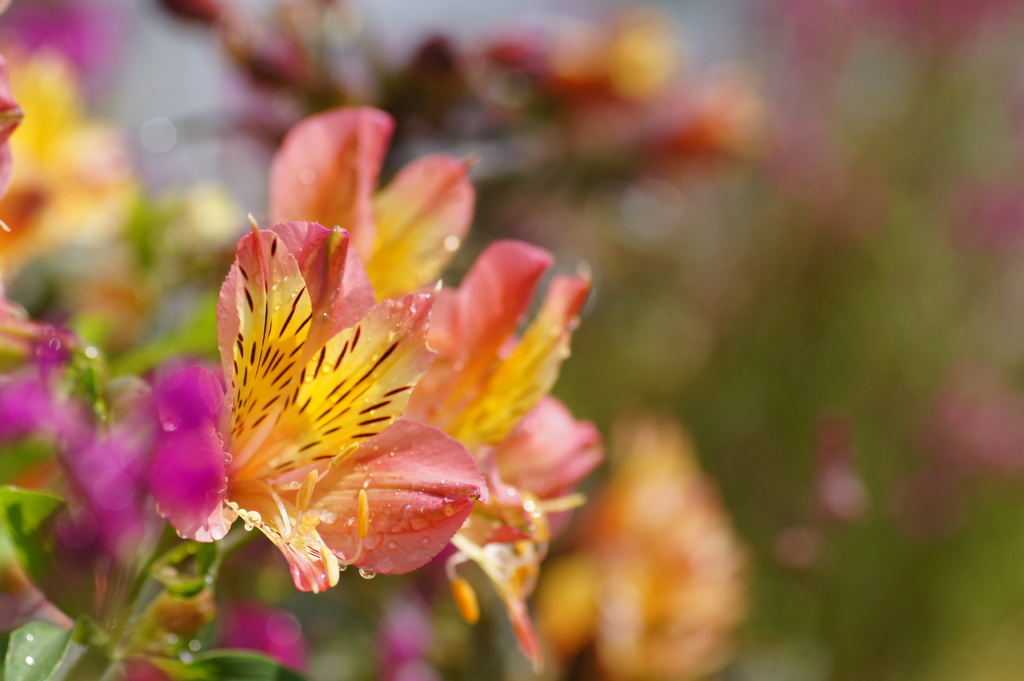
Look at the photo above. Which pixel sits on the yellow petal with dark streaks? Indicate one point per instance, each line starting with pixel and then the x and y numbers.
pixel 353 388
pixel 522 379
pixel 274 312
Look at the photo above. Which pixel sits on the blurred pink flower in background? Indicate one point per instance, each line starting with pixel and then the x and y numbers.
pixel 405 640
pixel 977 423
pixel 90 34
pixel 251 625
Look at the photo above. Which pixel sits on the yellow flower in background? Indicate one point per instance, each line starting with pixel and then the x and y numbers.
pixel 72 177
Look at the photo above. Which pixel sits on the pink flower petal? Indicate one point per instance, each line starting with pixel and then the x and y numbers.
pixel 326 171
pixel 420 486
pixel 495 294
pixel 470 325
pixel 335 277
pixel 549 451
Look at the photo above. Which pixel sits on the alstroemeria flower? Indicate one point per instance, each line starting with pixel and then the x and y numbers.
pixel 488 390
pixel 326 171
pixel 316 456
pixel 72 180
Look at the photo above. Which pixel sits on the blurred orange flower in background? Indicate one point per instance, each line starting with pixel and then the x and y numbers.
pixel 657 584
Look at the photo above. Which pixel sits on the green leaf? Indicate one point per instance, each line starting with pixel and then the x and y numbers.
pixel 220 665
pixel 194 335
pixel 38 651
pixel 18 456
pixel 26 517
pixel 188 568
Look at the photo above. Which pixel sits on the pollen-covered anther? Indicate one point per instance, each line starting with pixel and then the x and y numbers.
pixel 363 514
pixel 306 490
pixel 310 520
pixel 465 600
pixel 520 578
pixel 343 454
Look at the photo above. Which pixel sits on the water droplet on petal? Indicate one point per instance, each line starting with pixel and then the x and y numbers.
pixel 367 574
pixel 385 566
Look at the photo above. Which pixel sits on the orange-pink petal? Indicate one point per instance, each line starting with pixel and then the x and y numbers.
pixel 339 289
pixel 549 451
pixel 420 486
pixel 326 171
pixel 471 325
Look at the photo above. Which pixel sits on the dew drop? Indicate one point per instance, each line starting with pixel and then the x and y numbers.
pixel 367 574
pixel 425 540
pixel 385 566
pixel 30 660
pixel 392 545
pixel 451 243
pixel 54 344
pixel 371 541
pixel 172 639
pixel 29 637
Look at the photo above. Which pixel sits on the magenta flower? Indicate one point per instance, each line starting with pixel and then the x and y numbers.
pixel 315 454
pixel 274 632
